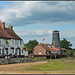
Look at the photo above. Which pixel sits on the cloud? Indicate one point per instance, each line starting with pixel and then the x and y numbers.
pixel 32 32
pixel 39 34
pixel 68 34
pixel 39 12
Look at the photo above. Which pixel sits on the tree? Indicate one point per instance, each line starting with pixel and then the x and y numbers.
pixel 70 53
pixel 66 44
pixel 30 45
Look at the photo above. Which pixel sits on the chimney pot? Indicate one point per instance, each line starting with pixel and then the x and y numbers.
pixel 3 25
pixel 9 26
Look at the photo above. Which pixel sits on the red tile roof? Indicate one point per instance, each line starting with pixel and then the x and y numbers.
pixel 8 33
pixel 26 49
pixel 45 46
pixel 63 49
pixel 53 49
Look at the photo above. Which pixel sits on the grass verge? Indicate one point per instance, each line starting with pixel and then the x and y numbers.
pixel 54 65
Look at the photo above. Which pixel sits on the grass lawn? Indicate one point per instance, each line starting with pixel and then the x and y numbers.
pixel 55 65
pixel 39 58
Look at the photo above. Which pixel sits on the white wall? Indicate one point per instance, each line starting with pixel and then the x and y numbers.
pixel 53 51
pixel 11 44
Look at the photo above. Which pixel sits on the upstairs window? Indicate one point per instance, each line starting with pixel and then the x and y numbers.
pixel 20 42
pixel 16 42
pixel 12 41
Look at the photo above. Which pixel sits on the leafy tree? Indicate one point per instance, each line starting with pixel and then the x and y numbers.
pixel 30 45
pixel 66 44
pixel 70 52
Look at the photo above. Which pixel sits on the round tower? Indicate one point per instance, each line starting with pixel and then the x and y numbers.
pixel 56 39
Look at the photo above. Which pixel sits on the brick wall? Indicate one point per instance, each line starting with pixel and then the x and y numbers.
pixel 36 50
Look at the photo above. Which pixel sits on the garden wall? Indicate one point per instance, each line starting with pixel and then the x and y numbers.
pixel 15 60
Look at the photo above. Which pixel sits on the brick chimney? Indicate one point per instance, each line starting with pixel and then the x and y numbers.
pixel 0 22
pixel 9 26
pixel 3 25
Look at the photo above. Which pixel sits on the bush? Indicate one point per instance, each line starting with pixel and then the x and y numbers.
pixel 70 52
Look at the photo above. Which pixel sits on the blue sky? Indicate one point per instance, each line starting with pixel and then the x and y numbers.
pixel 37 19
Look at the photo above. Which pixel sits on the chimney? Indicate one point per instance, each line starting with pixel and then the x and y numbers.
pixel 0 22
pixel 9 26
pixel 54 44
pixel 3 25
pixel 56 39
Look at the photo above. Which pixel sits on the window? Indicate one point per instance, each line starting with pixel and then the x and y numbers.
pixel 40 51
pixel 7 41
pixel 38 46
pixel 22 50
pixel 0 51
pixel 16 42
pixel 20 42
pixel 12 41
pixel 47 52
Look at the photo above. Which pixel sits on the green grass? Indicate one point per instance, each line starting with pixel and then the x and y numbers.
pixel 54 65
pixel 39 58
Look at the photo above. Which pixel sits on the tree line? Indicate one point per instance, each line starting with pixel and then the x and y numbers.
pixel 64 44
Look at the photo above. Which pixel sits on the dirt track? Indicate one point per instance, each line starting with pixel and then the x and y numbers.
pixel 19 69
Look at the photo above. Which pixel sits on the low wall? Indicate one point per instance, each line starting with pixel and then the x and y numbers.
pixel 15 60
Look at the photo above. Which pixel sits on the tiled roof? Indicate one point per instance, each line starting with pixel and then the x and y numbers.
pixel 53 49
pixel 45 46
pixel 8 33
pixel 26 49
pixel 63 49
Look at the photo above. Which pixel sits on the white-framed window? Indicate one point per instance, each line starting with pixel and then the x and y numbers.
pixel 20 42
pixel 0 51
pixel 12 51
pixel 38 46
pixel 16 42
pixel 22 50
pixel 12 41
pixel 39 51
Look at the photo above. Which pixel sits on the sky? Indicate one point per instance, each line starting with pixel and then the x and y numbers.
pixel 37 19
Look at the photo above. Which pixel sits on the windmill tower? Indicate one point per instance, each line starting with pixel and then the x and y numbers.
pixel 56 39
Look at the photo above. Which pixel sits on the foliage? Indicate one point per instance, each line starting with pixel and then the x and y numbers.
pixel 30 45
pixel 70 52
pixel 66 44
pixel 7 41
